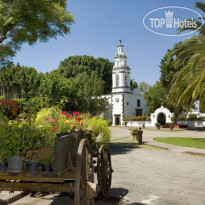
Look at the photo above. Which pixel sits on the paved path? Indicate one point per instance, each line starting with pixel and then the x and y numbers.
pixel 147 176
pixel 122 133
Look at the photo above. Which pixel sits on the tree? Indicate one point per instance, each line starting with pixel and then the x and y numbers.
pixel 29 21
pixel 189 84
pixel 201 6
pixel 74 65
pixel 167 70
pixel 156 95
pixel 144 87
pixel 19 82
pixel 133 84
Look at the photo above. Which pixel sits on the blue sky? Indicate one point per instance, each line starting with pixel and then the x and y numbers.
pixel 99 25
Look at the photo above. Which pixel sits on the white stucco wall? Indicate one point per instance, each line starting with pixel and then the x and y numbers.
pixel 117 107
pixel 130 110
pixel 140 123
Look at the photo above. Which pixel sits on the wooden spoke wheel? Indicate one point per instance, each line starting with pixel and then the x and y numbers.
pixel 104 170
pixel 84 174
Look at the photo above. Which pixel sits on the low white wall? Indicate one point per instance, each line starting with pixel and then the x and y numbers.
pixel 193 124
pixel 189 123
pixel 140 123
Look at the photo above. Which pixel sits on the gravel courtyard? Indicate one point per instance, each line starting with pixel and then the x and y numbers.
pixel 148 175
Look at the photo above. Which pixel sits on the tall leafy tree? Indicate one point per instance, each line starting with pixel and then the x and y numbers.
pixel 19 82
pixel 74 65
pixel 27 21
pixel 156 95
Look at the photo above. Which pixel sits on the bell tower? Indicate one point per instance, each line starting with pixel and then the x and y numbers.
pixel 120 72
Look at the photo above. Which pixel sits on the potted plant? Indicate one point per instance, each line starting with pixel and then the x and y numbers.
pixel 18 139
pixel 45 158
pixel 3 155
pixel 32 164
pixel 134 133
pixel 158 125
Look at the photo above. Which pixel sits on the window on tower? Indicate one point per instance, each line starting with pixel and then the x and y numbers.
pixel 117 81
pixel 126 83
pixel 138 103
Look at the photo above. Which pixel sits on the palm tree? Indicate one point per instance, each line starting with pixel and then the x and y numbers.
pixel 200 6
pixel 188 85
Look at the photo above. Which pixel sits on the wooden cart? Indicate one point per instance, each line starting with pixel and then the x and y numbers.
pixel 76 159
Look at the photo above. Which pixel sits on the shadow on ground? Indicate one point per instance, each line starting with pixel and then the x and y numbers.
pixel 122 148
pixel 117 196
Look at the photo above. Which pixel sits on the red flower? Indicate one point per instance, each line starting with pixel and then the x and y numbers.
pixel 54 129
pixel 63 113
pixel 85 115
pixel 78 119
pixel 76 113
pixel 80 124
pixel 68 116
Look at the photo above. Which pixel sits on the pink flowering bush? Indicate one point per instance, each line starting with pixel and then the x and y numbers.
pixel 45 155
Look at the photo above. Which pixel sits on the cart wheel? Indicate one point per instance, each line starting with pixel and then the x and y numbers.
pixel 84 175
pixel 104 170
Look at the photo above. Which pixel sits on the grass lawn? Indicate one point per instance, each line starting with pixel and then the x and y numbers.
pixel 184 142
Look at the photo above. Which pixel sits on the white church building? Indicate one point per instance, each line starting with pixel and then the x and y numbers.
pixel 123 102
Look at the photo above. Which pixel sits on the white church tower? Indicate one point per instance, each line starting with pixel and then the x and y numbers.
pixel 121 72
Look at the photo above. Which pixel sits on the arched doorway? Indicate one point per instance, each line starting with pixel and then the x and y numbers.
pixel 161 118
pixel 117 119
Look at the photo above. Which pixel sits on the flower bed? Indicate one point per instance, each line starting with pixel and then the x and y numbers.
pixel 32 137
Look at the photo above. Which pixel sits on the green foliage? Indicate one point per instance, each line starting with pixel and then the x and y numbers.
pixel 99 126
pixel 192 117
pixel 188 85
pixel 148 118
pixel 19 82
pixel 138 118
pixel 158 125
pixel 157 94
pixel 133 84
pixel 45 155
pixel 144 87
pixel 36 90
pixel 180 117
pixel 87 67
pixel 29 22
pixel 134 131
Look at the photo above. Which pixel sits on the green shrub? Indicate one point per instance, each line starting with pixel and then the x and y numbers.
pixel 157 125
pixel 203 118
pixel 192 117
pixel 180 117
pixel 126 119
pixel 137 118
pixel 134 131
pixel 148 118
